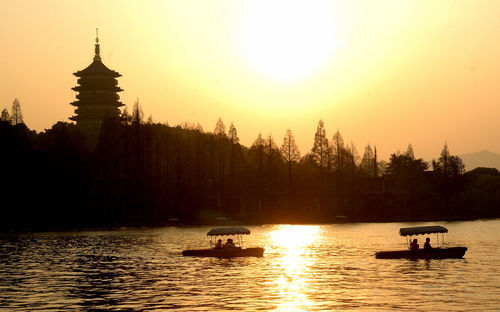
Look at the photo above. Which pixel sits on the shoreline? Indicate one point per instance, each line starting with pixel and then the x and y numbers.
pixel 234 223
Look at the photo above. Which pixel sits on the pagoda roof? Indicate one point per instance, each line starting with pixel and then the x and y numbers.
pixel 112 88
pixel 97 67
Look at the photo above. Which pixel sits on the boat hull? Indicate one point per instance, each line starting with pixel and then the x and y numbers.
pixel 437 253
pixel 225 253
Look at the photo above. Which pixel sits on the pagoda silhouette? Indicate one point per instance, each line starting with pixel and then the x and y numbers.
pixel 97 97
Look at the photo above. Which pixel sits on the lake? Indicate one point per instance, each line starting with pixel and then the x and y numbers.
pixel 309 267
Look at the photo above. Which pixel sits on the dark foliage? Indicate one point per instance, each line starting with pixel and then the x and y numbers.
pixel 139 173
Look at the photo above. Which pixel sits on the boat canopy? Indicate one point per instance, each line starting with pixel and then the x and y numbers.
pixel 418 230
pixel 228 231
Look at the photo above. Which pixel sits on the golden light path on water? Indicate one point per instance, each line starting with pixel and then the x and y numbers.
pixel 294 242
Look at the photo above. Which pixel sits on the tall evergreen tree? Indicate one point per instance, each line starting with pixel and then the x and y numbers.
pixel 367 161
pixel 409 151
pixel 320 147
pixel 220 133
pixel 233 134
pixel 273 155
pixel 338 147
pixel 258 149
pixel 338 153
pixel 137 113
pixel 220 129
pixel 448 165
pixel 16 116
pixel 291 154
pixel 234 150
pixel 353 159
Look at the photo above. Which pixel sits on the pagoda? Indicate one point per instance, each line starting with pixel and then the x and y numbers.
pixel 97 97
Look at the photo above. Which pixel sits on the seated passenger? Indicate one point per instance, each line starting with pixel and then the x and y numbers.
pixel 218 245
pixel 414 245
pixel 229 243
pixel 427 245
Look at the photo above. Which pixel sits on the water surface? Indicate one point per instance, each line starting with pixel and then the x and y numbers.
pixel 315 267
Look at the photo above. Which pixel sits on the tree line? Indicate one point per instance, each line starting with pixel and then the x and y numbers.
pixel 138 172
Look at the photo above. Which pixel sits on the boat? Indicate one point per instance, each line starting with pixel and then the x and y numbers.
pixel 440 252
pixel 237 251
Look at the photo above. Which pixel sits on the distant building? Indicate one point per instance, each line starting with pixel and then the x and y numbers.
pixel 97 97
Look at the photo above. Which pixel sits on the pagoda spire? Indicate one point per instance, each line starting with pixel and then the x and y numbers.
pixel 97 56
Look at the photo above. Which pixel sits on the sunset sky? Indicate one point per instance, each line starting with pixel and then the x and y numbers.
pixel 388 73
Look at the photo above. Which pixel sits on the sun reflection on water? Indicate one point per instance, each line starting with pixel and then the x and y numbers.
pixel 294 243
pixel 295 236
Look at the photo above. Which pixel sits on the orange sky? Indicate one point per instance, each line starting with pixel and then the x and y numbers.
pixel 383 72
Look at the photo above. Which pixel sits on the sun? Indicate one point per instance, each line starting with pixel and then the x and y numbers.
pixel 289 40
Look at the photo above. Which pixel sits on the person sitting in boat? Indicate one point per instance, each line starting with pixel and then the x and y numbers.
pixel 229 244
pixel 414 245
pixel 427 245
pixel 218 245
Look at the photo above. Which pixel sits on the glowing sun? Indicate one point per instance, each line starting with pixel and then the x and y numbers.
pixel 289 40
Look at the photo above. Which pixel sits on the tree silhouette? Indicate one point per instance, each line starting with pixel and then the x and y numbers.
pixel 291 154
pixel 407 174
pixel 258 150
pixel 338 152
pixel 125 117
pixel 320 147
pixel 375 162
pixel 5 115
pixel 367 161
pixel 220 133
pixel 353 159
pixel 220 129
pixel 232 134
pixel 448 165
pixel 234 157
pixel 448 171
pixel 138 161
pixel 338 147
pixel 409 151
pixel 137 114
pixel 16 114
pixel 482 192
pixel 144 173
pixel 272 152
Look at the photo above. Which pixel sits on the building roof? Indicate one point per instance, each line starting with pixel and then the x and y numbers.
pixel 97 67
